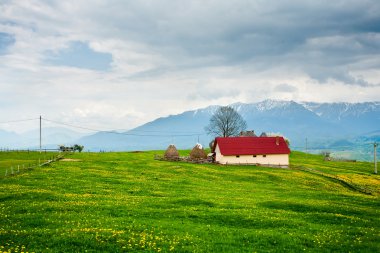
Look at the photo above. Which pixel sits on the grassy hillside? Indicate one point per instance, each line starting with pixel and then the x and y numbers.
pixel 19 161
pixel 357 175
pixel 115 202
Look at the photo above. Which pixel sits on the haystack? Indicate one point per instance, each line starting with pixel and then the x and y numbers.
pixel 198 152
pixel 171 153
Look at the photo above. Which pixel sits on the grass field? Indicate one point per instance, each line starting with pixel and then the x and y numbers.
pixel 116 202
pixel 19 161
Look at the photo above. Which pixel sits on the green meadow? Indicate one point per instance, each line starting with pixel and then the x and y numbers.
pixel 127 202
pixel 19 161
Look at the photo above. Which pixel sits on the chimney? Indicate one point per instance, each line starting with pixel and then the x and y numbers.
pixel 277 140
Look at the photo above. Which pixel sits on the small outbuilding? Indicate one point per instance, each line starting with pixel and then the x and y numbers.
pixel 271 151
pixel 198 152
pixel 250 133
pixel 171 153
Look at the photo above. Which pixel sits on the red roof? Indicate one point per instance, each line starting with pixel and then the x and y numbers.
pixel 251 145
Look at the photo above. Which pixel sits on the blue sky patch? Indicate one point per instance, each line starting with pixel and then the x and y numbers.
pixel 80 55
pixel 6 40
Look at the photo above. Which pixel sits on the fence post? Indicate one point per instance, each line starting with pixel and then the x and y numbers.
pixel 12 170
pixel 18 168
pixel 6 172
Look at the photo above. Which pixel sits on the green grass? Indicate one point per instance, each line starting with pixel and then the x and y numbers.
pixel 357 174
pixel 115 202
pixel 334 167
pixel 21 160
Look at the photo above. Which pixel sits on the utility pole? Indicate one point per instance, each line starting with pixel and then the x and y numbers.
pixel 374 156
pixel 306 145
pixel 40 135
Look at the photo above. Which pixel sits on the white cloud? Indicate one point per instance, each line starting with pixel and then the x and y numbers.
pixel 168 56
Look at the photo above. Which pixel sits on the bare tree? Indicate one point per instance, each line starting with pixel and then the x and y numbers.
pixel 226 122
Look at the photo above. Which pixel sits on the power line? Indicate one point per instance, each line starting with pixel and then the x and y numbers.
pixel 127 134
pixel 374 156
pixel 157 131
pixel 19 120
pixel 70 125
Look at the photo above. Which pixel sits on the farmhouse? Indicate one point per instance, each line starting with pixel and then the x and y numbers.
pixel 272 151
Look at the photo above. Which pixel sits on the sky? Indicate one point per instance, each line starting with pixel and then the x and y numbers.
pixel 115 64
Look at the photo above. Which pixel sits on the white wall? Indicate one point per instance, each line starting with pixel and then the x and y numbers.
pixel 277 160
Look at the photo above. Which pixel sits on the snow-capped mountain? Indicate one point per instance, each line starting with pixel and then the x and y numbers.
pixel 340 111
pixel 319 123
pixel 324 125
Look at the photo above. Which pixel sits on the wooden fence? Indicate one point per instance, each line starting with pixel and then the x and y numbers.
pixel 25 166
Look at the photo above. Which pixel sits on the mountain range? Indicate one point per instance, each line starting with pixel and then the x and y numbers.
pixel 51 138
pixel 307 125
pixel 320 125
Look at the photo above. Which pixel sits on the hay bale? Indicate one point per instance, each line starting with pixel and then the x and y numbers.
pixel 198 152
pixel 171 153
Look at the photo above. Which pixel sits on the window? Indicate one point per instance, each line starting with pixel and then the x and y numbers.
pixel 264 155
pixel 237 156
pixel 254 155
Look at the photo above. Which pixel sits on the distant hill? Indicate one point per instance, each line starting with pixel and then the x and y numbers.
pixel 324 125
pixel 333 126
pixel 7 138
pixel 51 138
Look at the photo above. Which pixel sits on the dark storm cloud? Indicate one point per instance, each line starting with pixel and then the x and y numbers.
pixel 321 38
pixel 264 28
